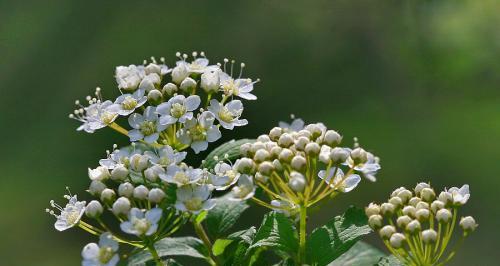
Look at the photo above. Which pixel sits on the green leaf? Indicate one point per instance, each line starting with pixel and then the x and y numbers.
pixel 389 261
pixel 172 246
pixel 223 216
pixel 328 242
pixel 246 236
pixel 166 262
pixel 276 232
pixel 200 217
pixel 235 253
pixel 360 254
pixel 220 245
pixel 231 148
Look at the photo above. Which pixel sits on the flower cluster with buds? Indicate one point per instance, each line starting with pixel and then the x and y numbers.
pixel 298 165
pixel 417 226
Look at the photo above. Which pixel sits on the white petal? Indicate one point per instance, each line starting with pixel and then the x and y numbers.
pixel 192 102
pixel 135 135
pixel 135 120
pixel 90 251
pixel 154 215
pixel 199 146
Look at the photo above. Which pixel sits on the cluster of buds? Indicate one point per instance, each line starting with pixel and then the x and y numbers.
pixel 416 226
pixel 298 165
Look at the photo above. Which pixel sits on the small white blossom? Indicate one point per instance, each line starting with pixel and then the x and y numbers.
pixel 102 254
pixel 339 182
pixel 100 173
pixel 126 104
pixel 70 215
pixel 229 114
pixel 129 78
pixel 140 223
pixel 119 157
pixel 199 132
pixel 198 65
pixel 460 195
pixel 194 198
pixel 244 189
pixel 150 82
pixel 210 80
pixel 145 126
pixel 165 156
pixel 95 116
pixel 369 168
pixel 225 176
pixel 178 108
pixel 181 175
pixel 238 87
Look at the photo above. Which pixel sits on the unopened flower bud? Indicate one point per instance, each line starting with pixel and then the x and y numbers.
pixel 96 187
pixel 332 138
pixel 261 178
pixel 375 221
pixel 429 236
pixel 126 190
pixel 286 155
pixel 121 206
pixel 108 195
pixel 275 133
pixel 138 162
pixel 94 209
pixel 387 231
pixel 210 81
pixel 120 172
pixel 245 166
pixel 188 85
pixel 436 206
pixel 413 226
pixel 403 221
pixel 153 173
pixel 397 240
pixel 468 224
pixel 266 168
pixel 422 205
pixel 387 209
pixel 263 138
pixel 261 155
pixel 244 149
pixel 275 151
pixel 297 182
pixel 422 214
pixel 298 163
pixel 312 149
pixel 446 197
pixel 285 140
pixel 315 130
pixel 179 73
pixel 414 201
pixel 301 142
pixel 100 173
pixel 304 133
pixel 419 187
pixel 155 97
pixel 372 209
pixel 396 201
pixel 409 210
pixel 156 195
pixel 359 156
pixel 405 195
pixel 169 89
pixel 152 68
pixel 339 155
pixel 427 194
pixel 277 165
pixel 443 216
pixel 141 192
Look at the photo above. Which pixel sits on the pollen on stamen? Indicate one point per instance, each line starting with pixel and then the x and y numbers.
pixel 202 53
pixel 162 59
pixel 144 62
pixel 195 54
pixel 153 59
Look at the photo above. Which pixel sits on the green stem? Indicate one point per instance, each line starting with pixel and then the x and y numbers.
pixel 302 234
pixel 153 252
pixel 200 231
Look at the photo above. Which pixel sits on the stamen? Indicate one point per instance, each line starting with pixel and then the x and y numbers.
pixel 225 62
pixel 202 53
pixel 232 66
pixel 242 65
pixel 195 54
pixel 153 59
pixel 162 59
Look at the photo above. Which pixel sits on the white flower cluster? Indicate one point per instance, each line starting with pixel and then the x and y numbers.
pixel 299 165
pixel 425 222
pixel 164 105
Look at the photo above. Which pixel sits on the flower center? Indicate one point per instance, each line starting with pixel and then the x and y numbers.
pixel 142 226
pixel 181 177
pixel 242 191
pixel 72 217
pixel 198 133
pixel 177 110
pixel 105 254
pixel 231 175
pixel 193 204
pixel 164 161
pixel 148 128
pixel 225 115
pixel 107 117
pixel 129 103
pixel 229 88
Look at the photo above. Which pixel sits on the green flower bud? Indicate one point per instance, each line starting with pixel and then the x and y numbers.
pixel 414 201
pixel 468 224
pixel 396 201
pixel 169 89
pixel 155 97
pixel 420 186
pixel 120 172
pixel 285 140
pixel 261 155
pixel 188 85
pixel 339 155
pixel 96 187
pixel 375 221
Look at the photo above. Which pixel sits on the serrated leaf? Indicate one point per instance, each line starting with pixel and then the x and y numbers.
pixel 236 251
pixel 330 241
pixel 172 246
pixel 231 148
pixel 223 216
pixel 220 245
pixel 166 262
pixel 360 254
pixel 389 261
pixel 276 232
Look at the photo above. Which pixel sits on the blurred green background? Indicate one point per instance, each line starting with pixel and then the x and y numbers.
pixel 416 81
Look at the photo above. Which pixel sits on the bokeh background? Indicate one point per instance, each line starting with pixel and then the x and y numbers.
pixel 416 81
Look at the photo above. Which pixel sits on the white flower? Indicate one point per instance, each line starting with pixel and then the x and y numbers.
pixel 70 215
pixel 194 198
pixel 181 175
pixel 129 78
pixel 165 156
pixel 460 195
pixel 100 173
pixel 228 115
pixel 149 82
pixel 339 182
pixel 368 168
pixel 141 224
pixel 95 116
pixel 103 254
pixel 210 80
pixel 145 126
pixel 296 125
pixel 178 108
pixel 199 132
pixel 119 157
pixel 237 87
pixel 225 176
pixel 198 65
pixel 244 189
pixel 126 104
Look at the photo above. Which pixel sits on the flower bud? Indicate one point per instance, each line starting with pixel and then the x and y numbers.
pixel 210 81
pixel 275 133
pixel 468 224
pixel 315 130
pixel 120 172
pixel 261 178
pixel 121 206
pixel 436 206
pixel 285 140
pixel 155 97
pixel 359 156
pixel 413 226
pixel 286 155
pixel 141 192
pixel 245 149
pixel 387 231
pixel 263 138
pixel 414 201
pixel 446 197
pixel 261 155
pixel 100 173
pixel 266 168
pixel 138 162
pixel 301 142
pixel 108 195
pixel 298 163
pixel 96 187
pixel 304 133
pixel 147 84
pixel 372 209
pixel 396 201
pixel 277 165
pixel 169 89
pixel 403 221
pixel 387 209
pixel 422 214
pixel 297 182
pixel 156 195
pixel 429 236
pixel 245 166
pixel 188 85
pixel 397 240
pixel 443 216
pixel 405 195
pixel 332 138
pixel 275 151
pixel 419 187
pixel 94 209
pixel 339 155
pixel 152 68
pixel 409 210
pixel 312 149
pixel 126 190
pixel 254 147
pixel 153 173
pixel 427 194
pixel 422 205
pixel 179 73
pixel 375 221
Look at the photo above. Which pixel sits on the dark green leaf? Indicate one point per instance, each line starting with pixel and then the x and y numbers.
pixel 231 148
pixel 328 242
pixel 360 254
pixel 166 262
pixel 172 246
pixel 223 216
pixel 220 245
pixel 236 251
pixel 389 261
